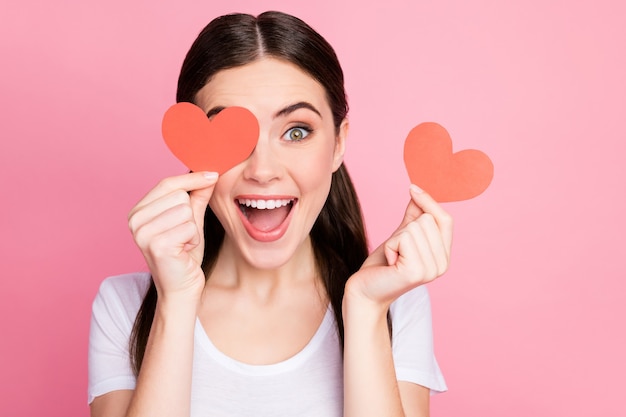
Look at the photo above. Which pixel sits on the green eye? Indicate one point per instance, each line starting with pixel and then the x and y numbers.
pixel 296 134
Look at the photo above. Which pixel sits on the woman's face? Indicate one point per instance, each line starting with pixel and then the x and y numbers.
pixel 269 203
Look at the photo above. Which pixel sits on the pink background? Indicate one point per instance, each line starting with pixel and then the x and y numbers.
pixel 530 318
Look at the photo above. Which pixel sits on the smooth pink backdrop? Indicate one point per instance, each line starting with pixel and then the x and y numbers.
pixel 530 318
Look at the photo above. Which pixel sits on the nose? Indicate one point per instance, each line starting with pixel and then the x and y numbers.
pixel 263 165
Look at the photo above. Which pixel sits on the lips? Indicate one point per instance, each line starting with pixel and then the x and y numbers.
pixel 265 218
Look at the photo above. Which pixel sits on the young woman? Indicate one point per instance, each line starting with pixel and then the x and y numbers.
pixel 262 299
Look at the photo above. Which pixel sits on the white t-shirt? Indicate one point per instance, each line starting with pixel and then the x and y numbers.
pixel 308 384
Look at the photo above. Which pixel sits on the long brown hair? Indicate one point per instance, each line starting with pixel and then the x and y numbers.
pixel 338 235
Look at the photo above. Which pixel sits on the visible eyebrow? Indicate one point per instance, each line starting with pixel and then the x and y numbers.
pixel 301 105
pixel 281 113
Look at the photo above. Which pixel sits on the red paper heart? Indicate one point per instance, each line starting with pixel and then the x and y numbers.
pixel 210 145
pixel 445 176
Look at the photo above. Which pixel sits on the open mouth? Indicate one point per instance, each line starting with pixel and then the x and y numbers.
pixel 265 215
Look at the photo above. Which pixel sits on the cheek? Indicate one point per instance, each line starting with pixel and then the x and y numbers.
pixel 313 171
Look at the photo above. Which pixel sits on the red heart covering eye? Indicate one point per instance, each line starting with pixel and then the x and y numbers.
pixel 446 176
pixel 210 145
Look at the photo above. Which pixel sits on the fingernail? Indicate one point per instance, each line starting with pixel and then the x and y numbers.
pixel 416 189
pixel 210 175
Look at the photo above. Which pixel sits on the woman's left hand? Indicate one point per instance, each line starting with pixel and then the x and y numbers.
pixel 416 253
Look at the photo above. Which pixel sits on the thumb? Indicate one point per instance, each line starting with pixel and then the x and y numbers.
pixel 199 199
pixel 413 211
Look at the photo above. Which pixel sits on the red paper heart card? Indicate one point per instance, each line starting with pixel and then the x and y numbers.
pixel 446 176
pixel 210 145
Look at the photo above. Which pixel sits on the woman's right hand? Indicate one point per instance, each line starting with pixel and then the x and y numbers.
pixel 168 226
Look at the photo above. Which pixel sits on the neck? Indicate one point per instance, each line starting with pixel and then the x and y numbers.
pixel 236 271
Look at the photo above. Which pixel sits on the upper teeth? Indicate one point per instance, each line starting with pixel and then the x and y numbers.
pixel 264 204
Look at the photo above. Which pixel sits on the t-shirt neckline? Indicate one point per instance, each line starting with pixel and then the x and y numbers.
pixel 259 370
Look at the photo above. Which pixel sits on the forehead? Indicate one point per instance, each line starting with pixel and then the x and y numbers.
pixel 267 83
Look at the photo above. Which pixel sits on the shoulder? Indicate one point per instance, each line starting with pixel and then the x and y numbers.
pixel 416 300
pixel 412 340
pixel 114 310
pixel 411 316
pixel 126 284
pixel 122 294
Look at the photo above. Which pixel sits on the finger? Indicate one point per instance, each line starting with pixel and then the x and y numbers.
pixel 161 246
pixel 414 257
pixel 420 242
pixel 441 253
pixel 412 212
pixel 155 208
pixel 199 200
pixel 428 205
pixel 377 257
pixel 187 182
pixel 397 281
pixel 167 220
